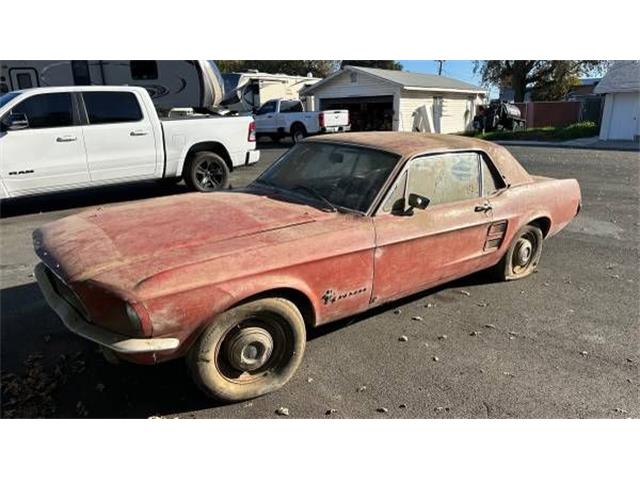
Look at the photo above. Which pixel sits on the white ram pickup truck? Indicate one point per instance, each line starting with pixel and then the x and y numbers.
pixel 280 118
pixel 63 138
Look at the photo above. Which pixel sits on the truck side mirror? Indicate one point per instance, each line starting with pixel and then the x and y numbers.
pixel 15 121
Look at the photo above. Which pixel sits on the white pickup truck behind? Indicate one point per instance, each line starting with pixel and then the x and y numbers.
pixel 280 118
pixel 62 138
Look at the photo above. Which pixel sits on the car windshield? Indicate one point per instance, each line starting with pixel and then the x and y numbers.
pixel 7 97
pixel 340 176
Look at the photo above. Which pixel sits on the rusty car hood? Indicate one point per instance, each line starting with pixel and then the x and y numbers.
pixel 128 243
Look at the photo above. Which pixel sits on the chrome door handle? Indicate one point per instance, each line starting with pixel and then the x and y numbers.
pixel 138 133
pixel 483 208
pixel 66 138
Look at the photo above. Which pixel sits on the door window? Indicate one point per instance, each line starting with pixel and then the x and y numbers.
pixel 24 80
pixel 288 107
pixel 268 107
pixel 111 107
pixel 446 178
pixel 47 111
pixel 491 181
pixel 396 199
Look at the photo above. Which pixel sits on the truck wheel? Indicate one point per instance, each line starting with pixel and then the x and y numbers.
pixel 249 351
pixel 206 172
pixel 298 133
pixel 523 255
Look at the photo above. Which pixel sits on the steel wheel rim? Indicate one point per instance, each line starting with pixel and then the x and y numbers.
pixel 268 332
pixel 524 253
pixel 209 175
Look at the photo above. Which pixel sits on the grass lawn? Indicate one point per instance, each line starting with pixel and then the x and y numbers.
pixel 576 130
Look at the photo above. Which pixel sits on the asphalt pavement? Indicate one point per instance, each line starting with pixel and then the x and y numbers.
pixel 562 343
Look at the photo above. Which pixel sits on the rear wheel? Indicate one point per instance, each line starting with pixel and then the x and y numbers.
pixel 206 172
pixel 249 351
pixel 523 255
pixel 298 132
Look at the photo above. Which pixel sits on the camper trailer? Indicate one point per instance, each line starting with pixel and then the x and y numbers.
pixel 246 91
pixel 170 83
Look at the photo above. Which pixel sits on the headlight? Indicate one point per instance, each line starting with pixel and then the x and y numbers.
pixel 134 318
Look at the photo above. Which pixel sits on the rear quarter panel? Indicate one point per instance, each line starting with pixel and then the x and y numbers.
pixel 182 134
pixel 556 200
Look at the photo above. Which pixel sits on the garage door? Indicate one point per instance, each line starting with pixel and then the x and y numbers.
pixel 624 116
pixel 365 113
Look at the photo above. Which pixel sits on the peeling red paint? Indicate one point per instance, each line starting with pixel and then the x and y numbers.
pixel 185 259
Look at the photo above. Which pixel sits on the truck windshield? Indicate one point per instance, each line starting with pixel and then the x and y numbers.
pixel 345 177
pixel 7 97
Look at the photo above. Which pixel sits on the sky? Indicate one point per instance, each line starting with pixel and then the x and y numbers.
pixel 458 69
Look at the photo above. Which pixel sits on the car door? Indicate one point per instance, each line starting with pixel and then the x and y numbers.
pixel 265 117
pixel 49 154
pixel 119 136
pixel 444 241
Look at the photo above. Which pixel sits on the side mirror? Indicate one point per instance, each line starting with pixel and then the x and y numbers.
pixel 418 201
pixel 15 121
pixel 415 201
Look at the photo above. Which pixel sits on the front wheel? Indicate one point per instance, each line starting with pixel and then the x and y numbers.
pixel 523 255
pixel 206 172
pixel 251 350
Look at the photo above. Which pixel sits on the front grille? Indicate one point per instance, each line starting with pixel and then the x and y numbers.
pixel 63 290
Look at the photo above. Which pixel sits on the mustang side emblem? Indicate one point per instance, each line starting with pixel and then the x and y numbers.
pixel 330 296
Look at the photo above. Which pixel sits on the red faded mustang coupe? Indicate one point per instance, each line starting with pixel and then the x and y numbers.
pixel 338 225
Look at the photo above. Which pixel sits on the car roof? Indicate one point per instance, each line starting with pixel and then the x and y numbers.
pixel 409 144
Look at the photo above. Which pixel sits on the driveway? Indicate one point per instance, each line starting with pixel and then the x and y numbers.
pixel 561 344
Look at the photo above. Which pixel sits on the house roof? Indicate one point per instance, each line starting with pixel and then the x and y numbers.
pixel 623 76
pixel 407 80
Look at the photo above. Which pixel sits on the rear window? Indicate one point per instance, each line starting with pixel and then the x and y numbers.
pixel 112 107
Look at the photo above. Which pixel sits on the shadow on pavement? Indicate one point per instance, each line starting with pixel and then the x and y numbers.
pixel 47 372
pixel 88 198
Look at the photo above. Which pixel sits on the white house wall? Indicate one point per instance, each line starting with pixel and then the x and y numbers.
pixel 457 112
pixel 458 109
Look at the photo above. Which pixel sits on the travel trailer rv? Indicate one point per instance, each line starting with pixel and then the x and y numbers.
pixel 170 83
pixel 246 91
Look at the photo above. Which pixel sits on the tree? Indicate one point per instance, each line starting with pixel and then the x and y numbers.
pixel 547 79
pixel 318 68
pixel 386 64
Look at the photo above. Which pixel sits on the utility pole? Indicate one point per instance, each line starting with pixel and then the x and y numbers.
pixel 440 63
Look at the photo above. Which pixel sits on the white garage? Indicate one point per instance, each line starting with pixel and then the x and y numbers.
pixel 380 99
pixel 621 114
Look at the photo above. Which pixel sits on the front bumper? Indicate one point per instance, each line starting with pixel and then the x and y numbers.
pixel 252 157
pixel 74 321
